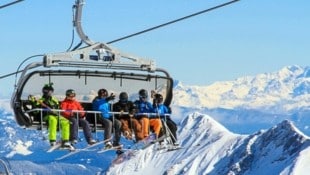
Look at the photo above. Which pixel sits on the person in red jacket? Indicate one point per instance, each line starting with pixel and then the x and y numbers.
pixel 74 112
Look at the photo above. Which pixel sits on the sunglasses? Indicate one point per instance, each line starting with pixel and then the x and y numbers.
pixel 143 97
pixel 71 96
pixel 46 91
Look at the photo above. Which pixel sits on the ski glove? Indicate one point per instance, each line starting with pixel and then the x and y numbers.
pixel 111 97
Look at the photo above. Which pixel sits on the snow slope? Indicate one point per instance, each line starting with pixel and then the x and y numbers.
pixel 273 151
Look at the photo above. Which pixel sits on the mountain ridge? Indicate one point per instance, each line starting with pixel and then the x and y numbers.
pixel 222 152
pixel 278 91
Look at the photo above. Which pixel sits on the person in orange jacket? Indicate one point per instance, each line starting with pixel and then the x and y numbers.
pixel 75 113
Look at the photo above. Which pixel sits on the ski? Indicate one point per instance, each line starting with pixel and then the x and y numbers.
pixel 154 141
pixel 79 150
pixel 142 144
pixel 54 147
pixel 123 157
pixel 109 149
pixel 70 148
pixel 128 154
pixel 58 146
pixel 174 148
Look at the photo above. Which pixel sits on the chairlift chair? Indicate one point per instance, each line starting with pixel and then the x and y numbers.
pixel 86 70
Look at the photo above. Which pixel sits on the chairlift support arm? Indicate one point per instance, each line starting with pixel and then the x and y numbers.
pixel 78 24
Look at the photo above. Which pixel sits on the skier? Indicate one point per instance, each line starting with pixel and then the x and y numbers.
pixel 143 108
pixel 101 103
pixel 48 103
pixel 76 118
pixel 161 110
pixel 129 123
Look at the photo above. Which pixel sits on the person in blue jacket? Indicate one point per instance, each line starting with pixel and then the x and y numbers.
pixel 164 113
pixel 101 103
pixel 144 108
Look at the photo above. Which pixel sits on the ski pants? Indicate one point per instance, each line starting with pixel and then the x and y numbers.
pixel 109 125
pixel 74 128
pixel 130 124
pixel 170 128
pixel 150 123
pixel 52 127
pixel 155 125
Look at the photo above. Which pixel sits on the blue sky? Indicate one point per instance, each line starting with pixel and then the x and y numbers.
pixel 245 38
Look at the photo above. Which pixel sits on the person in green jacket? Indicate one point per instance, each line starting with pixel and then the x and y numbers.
pixel 48 102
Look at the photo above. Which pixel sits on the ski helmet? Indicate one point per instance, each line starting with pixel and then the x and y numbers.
pixel 102 92
pixel 47 88
pixel 70 92
pixel 123 97
pixel 158 98
pixel 143 93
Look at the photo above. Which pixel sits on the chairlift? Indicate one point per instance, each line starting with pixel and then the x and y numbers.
pixel 86 70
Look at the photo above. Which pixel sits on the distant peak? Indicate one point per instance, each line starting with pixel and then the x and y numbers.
pixel 176 83
pixel 285 133
pixel 201 123
pixel 288 127
pixel 293 68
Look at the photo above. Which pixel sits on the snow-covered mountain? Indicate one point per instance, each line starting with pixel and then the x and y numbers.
pixel 260 101
pixel 283 91
pixel 208 148
pixel 273 151
pixel 253 125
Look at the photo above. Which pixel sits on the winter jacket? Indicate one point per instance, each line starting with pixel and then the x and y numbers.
pixel 52 118
pixel 143 106
pixel 161 109
pixel 49 102
pixel 102 105
pixel 69 105
pixel 123 107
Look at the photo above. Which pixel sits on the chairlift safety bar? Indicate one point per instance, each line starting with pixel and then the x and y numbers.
pixel 95 112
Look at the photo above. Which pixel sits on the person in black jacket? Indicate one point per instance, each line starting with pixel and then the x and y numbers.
pixel 129 123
